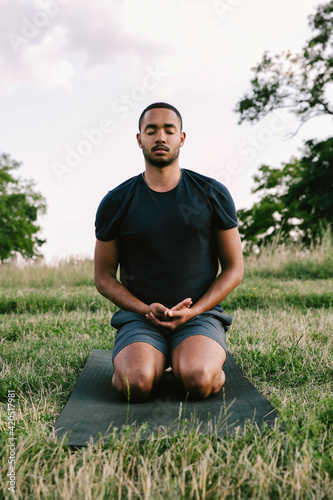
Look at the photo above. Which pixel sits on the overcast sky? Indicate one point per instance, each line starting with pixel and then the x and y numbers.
pixel 76 74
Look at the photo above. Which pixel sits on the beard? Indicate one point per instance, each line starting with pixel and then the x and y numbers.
pixel 156 161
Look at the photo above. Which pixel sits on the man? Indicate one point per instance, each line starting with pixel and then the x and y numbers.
pixel 167 229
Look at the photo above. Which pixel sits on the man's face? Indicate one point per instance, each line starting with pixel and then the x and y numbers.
pixel 160 137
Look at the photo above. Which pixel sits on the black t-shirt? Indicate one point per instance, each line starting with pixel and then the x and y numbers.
pixel 167 240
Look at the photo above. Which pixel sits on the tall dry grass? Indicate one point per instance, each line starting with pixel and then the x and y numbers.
pixel 72 271
pixel 293 260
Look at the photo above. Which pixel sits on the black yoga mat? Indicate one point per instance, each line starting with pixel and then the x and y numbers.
pixel 95 409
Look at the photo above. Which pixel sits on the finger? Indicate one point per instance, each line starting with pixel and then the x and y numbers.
pixel 166 324
pixel 151 316
pixel 156 319
pixel 184 303
pixel 159 312
pixel 168 312
pixel 175 313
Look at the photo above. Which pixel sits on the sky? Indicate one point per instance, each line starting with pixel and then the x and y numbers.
pixel 76 74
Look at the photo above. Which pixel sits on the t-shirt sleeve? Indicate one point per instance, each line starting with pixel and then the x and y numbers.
pixel 107 222
pixel 224 210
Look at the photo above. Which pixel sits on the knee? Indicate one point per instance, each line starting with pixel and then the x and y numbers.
pixel 136 386
pixel 198 382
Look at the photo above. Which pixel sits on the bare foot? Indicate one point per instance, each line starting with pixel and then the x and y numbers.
pixel 168 370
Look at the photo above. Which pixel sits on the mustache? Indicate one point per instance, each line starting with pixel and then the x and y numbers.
pixel 160 147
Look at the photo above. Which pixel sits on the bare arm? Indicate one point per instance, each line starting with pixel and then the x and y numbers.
pixel 231 258
pixel 106 265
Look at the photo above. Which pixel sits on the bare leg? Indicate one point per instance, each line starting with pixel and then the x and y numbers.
pixel 197 364
pixel 139 367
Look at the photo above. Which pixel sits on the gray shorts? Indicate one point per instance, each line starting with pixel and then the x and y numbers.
pixel 133 327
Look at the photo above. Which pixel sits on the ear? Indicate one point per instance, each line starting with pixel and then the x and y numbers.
pixel 138 138
pixel 182 138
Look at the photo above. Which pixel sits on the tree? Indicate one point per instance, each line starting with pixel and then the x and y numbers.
pixel 298 82
pixel 20 205
pixel 296 200
pixel 312 192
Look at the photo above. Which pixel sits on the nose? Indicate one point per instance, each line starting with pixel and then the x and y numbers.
pixel 160 136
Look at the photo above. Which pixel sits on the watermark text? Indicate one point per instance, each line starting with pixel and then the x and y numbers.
pixel 11 441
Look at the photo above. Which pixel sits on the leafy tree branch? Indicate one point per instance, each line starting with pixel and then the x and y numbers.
pixel 20 205
pixel 298 82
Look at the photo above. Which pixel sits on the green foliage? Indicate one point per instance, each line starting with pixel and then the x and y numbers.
pixel 20 205
pixel 270 216
pixel 297 82
pixel 310 195
pixel 295 201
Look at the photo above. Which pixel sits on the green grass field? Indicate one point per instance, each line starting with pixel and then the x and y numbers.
pixel 281 337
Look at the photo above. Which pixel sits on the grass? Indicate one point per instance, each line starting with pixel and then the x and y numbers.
pixel 288 260
pixel 50 319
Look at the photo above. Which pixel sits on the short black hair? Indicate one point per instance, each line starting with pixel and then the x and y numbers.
pixel 164 105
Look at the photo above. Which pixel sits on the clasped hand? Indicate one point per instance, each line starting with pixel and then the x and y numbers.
pixel 170 318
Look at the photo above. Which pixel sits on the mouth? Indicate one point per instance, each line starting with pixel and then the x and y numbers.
pixel 160 149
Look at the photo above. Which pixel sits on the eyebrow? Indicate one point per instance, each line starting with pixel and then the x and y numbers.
pixel 165 125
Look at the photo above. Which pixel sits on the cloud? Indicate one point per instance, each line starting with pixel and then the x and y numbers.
pixel 47 66
pixel 48 41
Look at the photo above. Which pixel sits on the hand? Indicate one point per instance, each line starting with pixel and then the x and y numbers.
pixel 171 318
pixel 158 310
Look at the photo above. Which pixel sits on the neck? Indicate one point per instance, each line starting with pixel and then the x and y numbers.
pixel 162 179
